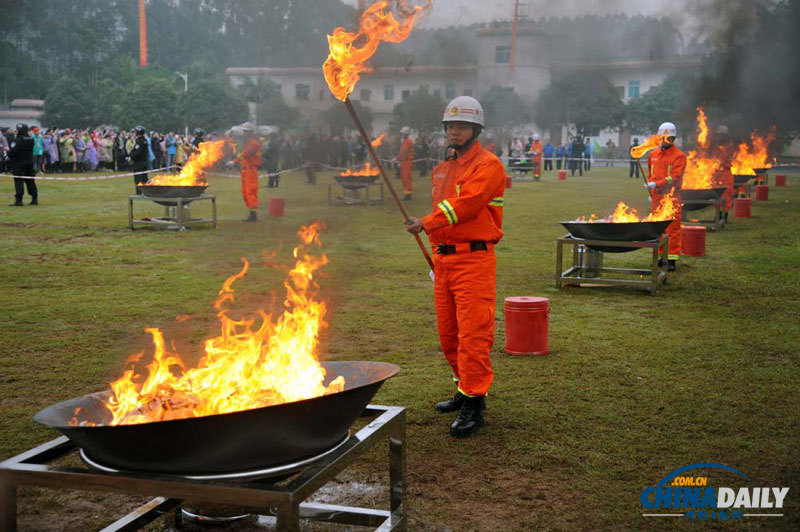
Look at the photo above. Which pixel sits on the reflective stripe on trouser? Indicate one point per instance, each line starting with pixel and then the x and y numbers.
pixel 464 293
pixel 250 187
pixel 406 172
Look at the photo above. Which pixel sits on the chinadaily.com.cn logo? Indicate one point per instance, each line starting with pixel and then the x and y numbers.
pixel 692 496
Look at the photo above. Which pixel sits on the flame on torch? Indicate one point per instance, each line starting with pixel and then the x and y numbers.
pixel 349 52
pixel 637 152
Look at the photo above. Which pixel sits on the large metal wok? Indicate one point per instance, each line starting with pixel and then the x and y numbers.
pixel 224 443
pixel 690 195
pixel 621 232
pixel 170 193
pixel 740 180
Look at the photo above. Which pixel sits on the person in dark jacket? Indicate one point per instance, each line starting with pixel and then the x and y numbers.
pixel 138 157
pixel 20 163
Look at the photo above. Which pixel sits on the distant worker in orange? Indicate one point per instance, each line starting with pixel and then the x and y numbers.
pixel 406 159
pixel 665 166
pixel 249 160
pixel 723 177
pixel 465 225
pixel 536 155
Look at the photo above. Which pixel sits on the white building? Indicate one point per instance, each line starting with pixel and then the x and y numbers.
pixel 532 71
pixel 27 111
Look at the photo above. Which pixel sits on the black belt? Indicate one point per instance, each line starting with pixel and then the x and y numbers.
pixel 449 249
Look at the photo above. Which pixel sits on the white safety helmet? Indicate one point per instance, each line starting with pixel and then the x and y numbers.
pixel 722 130
pixel 668 129
pixel 535 136
pixel 248 127
pixel 464 109
pixel 405 130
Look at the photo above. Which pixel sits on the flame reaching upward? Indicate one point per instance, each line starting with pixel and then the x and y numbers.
pixel 637 152
pixel 702 129
pixel 700 166
pixel 748 159
pixel 368 170
pixel 349 52
pixel 378 141
pixel 208 154
pixel 626 214
pixel 244 367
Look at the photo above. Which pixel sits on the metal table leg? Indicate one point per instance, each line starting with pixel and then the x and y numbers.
pixel 130 212
pixel 397 474
pixel 559 262
pixel 214 212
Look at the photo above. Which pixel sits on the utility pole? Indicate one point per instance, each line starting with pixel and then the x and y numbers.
pixel 142 35
pixel 185 77
pixel 514 37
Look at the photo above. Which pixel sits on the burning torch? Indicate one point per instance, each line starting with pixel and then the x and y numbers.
pixel 349 53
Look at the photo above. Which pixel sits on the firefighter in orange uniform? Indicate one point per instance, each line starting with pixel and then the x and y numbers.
pixel 666 165
pixel 250 160
pixel 406 158
pixel 463 228
pixel 723 177
pixel 536 154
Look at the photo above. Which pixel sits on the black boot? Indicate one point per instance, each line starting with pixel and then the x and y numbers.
pixel 252 218
pixel 470 417
pixel 34 201
pixel 451 405
pixel 671 265
pixel 17 203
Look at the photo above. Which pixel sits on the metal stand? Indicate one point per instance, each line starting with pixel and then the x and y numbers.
pixel 714 224
pixel 176 216
pixel 581 275
pixel 351 193
pixel 284 500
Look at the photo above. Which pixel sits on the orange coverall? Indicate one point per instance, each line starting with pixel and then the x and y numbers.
pixel 666 168
pixel 406 158
pixel 723 177
pixel 250 160
pixel 536 152
pixel 467 205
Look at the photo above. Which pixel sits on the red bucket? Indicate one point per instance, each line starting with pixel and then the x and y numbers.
pixel 562 175
pixel 693 240
pixel 780 180
pixel 276 207
pixel 527 320
pixel 741 208
pixel 508 182
pixel 762 192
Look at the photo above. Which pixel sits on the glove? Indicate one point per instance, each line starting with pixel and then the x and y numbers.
pixel 650 186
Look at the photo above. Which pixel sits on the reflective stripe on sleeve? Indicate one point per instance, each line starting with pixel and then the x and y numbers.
pixel 448 211
pixel 497 202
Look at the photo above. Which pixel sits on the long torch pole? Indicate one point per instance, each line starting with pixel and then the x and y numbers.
pixel 388 183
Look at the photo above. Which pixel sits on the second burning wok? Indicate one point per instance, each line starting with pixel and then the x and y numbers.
pixel 621 232
pixel 691 195
pixel 223 443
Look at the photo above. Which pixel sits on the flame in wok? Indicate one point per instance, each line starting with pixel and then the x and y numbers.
pixel 747 158
pixel 700 166
pixel 368 170
pixel 247 366
pixel 627 214
pixel 208 154
pixel 349 52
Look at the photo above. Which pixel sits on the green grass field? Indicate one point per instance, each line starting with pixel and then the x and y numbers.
pixel 634 387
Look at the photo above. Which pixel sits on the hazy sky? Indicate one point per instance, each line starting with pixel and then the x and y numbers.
pixel 454 12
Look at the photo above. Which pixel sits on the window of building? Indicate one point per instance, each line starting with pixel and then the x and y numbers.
pixel 301 91
pixel 365 95
pixel 450 91
pixel 467 92
pixel 405 94
pixel 502 54
pixel 633 88
pixel 388 92
pixel 620 92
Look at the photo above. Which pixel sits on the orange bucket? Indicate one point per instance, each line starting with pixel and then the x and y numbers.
pixel 276 207
pixel 527 325
pixel 693 240
pixel 762 192
pixel 780 180
pixel 741 208
pixel 562 175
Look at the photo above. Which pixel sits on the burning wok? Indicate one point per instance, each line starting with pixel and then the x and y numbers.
pixel 740 180
pixel 355 179
pixel 224 443
pixel 622 232
pixel 170 193
pixel 692 195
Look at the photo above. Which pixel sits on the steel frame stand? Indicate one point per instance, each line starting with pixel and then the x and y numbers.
pixel 714 224
pixel 284 500
pixel 175 216
pixel 577 274
pixel 351 193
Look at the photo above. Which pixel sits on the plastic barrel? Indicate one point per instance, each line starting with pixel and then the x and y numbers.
pixel 741 208
pixel 527 325
pixel 562 175
pixel 693 240
pixel 762 192
pixel 780 180
pixel 276 207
